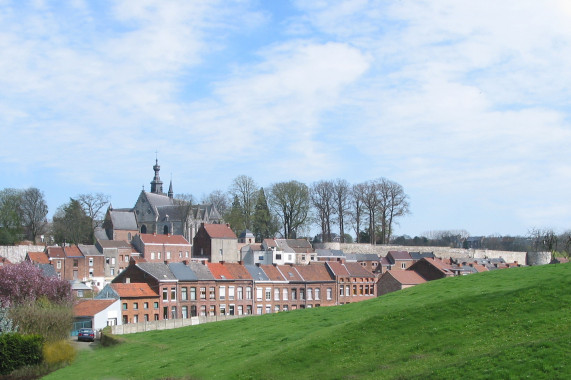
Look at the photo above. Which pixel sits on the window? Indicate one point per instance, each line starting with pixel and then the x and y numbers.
pixel 329 294
pixel 168 256
pixel 309 294
pixel 268 294
pixel 126 258
pixel 80 293
pixel 221 252
pixel 240 294
pixel 259 294
pixel 317 294
pixel 135 305
pixel 146 317
pixel 249 293
pixel 124 306
pixel 360 290
pixel 185 253
pixel 203 310
pixel 158 255
pixel 222 309
pixel 347 293
pixel 276 308
pixel 240 310
pixel 302 294
pixel 261 258
pixel 341 292
pixel 259 309
pixel 202 293
pixel 112 271
pixel 222 293
pixel 152 255
pixel 212 311
pixel 285 294
pixel 276 294
pixel 146 305
pixel 165 294
pixel 231 309
pixel 285 308
pixel 268 309
pixel 193 294
pixel 180 254
pixel 135 319
pixel 212 293
pixel 249 309
pixel 112 261
pixel 193 310
pixel 91 261
pixel 75 263
pixel 278 256
pixel 302 257
pixel 173 294
pixel 294 294
pixel 354 290
pixel 173 312
pixel 185 312
pixel 231 293
pixel 184 293
pixel 156 305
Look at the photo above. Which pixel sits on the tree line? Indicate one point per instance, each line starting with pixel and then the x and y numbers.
pixel 288 209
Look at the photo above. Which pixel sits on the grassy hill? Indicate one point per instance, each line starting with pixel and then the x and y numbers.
pixel 512 323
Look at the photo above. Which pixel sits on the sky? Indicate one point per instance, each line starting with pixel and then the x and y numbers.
pixel 465 104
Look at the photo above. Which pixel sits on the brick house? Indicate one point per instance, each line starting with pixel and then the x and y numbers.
pixel 233 288
pixel 319 285
pixel 369 261
pixel 276 289
pixel 399 260
pixel 116 256
pixel 139 303
pixel 394 280
pixel 197 289
pixel 216 243
pixel 95 264
pixel 120 224
pixel 354 283
pixel 162 248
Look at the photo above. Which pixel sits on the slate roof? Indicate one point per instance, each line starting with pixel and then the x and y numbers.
pixel 163 239
pixel 133 290
pixel 257 272
pixel 114 244
pixel 158 200
pixel 123 220
pixel 247 233
pixel 76 285
pixel 362 257
pixel 405 277
pixel 201 271
pixel 100 234
pixel 159 271
pixel 89 250
pixel 38 257
pixel 219 231
pixel 48 270
pixel 329 253
pixel 357 270
pixel 89 308
pixel 421 255
pixel 182 272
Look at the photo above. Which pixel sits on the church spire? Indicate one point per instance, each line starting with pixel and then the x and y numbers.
pixel 171 194
pixel 156 183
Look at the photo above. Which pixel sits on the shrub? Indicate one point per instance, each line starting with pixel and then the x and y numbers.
pixel 18 350
pixel 60 352
pixel 52 321
pixel 6 324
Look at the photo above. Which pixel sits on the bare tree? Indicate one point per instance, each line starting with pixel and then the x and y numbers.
pixel 92 205
pixel 246 190
pixel 357 207
pixel 371 200
pixel 321 195
pixel 393 203
pixel 342 200
pixel 219 199
pixel 290 201
pixel 184 203
pixel 33 209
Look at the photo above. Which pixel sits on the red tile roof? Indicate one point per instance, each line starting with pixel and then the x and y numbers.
pixel 88 308
pixel 220 271
pixel 56 252
pixel 357 270
pixel 314 272
pixel 164 239
pixel 219 231
pixel 38 257
pixel 72 251
pixel 289 272
pixel 270 242
pixel 238 271
pixel 338 269
pixel 399 255
pixel 133 290
pixel 405 277
pixel 272 272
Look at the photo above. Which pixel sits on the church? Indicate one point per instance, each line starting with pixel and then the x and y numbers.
pixel 158 213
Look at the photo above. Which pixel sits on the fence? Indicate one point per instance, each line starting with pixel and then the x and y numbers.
pixel 168 324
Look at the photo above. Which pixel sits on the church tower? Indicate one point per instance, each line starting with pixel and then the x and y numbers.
pixel 156 183
pixel 170 193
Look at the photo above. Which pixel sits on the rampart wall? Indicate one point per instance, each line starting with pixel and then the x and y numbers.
pixel 168 324
pixel 528 258
pixel 17 253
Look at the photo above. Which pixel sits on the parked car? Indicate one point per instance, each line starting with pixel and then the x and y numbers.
pixel 87 335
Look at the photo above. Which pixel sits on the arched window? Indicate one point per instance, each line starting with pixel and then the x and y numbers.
pixel 143 229
pixel 129 237
pixel 166 230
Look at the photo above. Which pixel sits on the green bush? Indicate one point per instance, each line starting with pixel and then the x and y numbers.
pixel 18 350
pixel 52 321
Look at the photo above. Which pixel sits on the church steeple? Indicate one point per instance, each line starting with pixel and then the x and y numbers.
pixel 156 183
pixel 171 194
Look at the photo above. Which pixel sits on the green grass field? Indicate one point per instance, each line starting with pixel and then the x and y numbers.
pixel 507 324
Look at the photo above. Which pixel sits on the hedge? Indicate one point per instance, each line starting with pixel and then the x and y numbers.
pixel 18 350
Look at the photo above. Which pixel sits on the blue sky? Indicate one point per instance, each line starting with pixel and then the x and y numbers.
pixel 465 104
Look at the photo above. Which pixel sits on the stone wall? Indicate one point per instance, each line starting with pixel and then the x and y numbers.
pixel 168 324
pixel 442 252
pixel 17 253
pixel 538 258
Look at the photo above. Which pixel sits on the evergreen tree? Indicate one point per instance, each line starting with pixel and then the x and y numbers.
pixel 72 225
pixel 235 216
pixel 264 224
